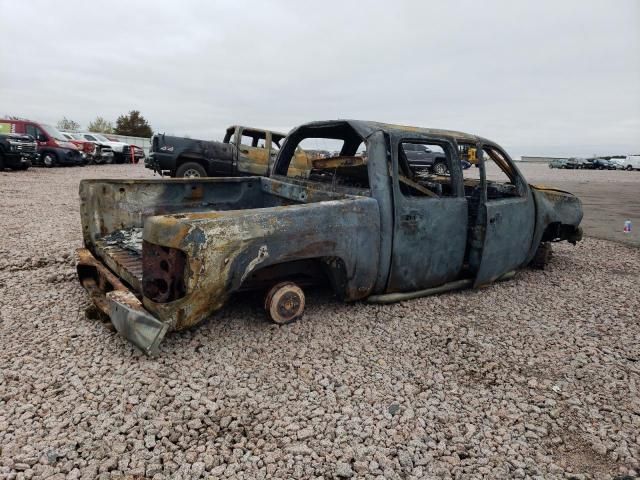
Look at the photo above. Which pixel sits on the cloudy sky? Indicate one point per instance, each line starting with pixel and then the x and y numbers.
pixel 539 77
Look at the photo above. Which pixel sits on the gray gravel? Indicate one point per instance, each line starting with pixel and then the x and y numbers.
pixel 536 377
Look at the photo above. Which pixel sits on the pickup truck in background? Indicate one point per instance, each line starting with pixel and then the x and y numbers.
pixel 17 152
pixel 162 255
pixel 244 151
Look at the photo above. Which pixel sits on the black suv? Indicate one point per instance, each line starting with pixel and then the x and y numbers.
pixel 17 152
pixel 422 157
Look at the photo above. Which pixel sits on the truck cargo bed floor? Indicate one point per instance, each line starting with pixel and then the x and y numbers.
pixel 121 251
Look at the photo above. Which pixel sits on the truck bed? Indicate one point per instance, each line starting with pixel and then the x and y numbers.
pixel 114 212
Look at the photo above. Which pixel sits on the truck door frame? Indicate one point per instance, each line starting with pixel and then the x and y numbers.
pixel 505 225
pixel 252 163
pixel 429 233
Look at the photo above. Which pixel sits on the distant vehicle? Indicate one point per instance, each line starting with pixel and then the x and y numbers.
pixel 121 150
pixel 558 163
pixel 618 163
pixel 87 148
pixel 575 163
pixel 423 157
pixel 602 164
pixel 53 147
pixel 104 152
pixel 244 151
pixel 17 151
pixel 631 162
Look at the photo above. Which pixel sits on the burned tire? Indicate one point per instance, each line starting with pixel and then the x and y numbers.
pixel 191 170
pixel 542 256
pixel 284 303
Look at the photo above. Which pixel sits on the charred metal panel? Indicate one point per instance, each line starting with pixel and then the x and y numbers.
pixel 507 238
pixel 553 207
pixel 381 189
pixel 110 205
pixel 430 233
pixel 230 246
pixel 163 273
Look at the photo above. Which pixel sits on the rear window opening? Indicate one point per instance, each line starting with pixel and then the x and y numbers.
pixel 336 155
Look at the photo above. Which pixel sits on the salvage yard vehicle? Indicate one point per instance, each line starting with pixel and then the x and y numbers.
pixel 630 162
pixel 244 151
pixel 164 255
pixel 103 153
pixel 17 152
pixel 558 163
pixel 87 148
pixel 602 164
pixel 53 148
pixel 121 150
pixel 574 163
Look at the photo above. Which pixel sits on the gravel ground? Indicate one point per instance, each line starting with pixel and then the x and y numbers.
pixel 536 377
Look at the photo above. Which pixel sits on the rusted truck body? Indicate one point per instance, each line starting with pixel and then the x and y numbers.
pixel 163 255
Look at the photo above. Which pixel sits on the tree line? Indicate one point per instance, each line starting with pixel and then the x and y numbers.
pixel 133 124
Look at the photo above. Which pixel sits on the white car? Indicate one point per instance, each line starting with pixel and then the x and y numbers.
pixel 121 150
pixel 632 162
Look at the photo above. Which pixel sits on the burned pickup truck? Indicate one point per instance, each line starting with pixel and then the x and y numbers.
pixel 164 255
pixel 244 151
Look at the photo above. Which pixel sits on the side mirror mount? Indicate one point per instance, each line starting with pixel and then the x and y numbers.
pixel 42 137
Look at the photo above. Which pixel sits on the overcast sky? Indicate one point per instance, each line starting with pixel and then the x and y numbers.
pixel 538 77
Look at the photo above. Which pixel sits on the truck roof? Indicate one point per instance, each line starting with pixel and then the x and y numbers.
pixel 366 128
pixel 233 127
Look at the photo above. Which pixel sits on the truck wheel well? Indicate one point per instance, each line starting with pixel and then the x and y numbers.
pixel 557 231
pixel 190 157
pixel 186 157
pixel 329 271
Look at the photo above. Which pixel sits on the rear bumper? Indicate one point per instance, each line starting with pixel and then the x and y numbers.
pixel 115 299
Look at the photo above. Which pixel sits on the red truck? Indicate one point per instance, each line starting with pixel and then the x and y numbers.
pixel 53 147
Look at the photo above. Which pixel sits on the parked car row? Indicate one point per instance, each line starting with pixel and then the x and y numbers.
pixel 630 162
pixel 55 148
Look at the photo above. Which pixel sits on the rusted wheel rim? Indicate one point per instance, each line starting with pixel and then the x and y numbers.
pixel 285 303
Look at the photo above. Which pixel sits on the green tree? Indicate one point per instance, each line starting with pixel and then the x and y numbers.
pixel 100 125
pixel 133 124
pixel 68 124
